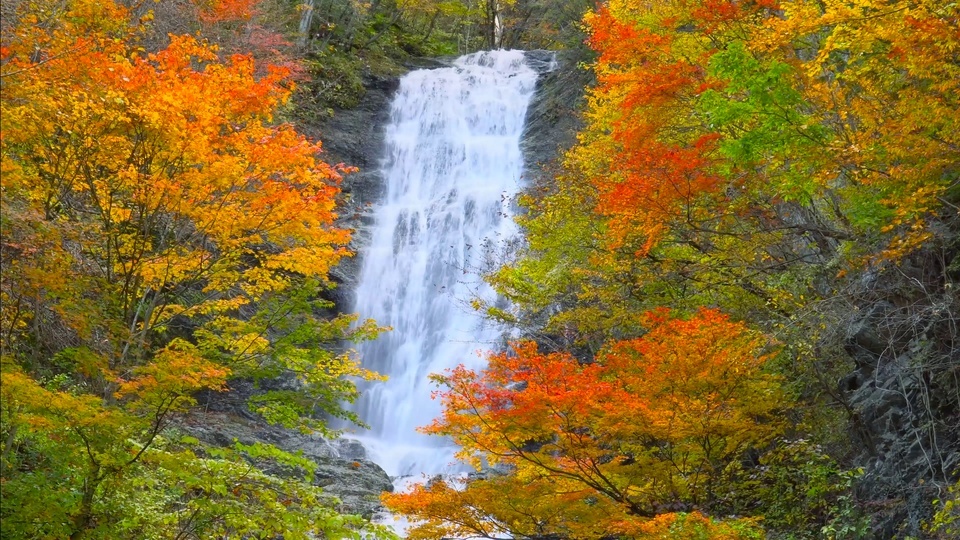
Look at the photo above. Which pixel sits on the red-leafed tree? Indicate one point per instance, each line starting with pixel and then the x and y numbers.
pixel 616 446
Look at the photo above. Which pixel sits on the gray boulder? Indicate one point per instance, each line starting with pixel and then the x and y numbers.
pixel 342 468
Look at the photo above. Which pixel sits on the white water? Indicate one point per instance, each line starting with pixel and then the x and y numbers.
pixel 453 163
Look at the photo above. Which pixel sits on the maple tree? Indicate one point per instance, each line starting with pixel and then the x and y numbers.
pixel 732 152
pixel 615 446
pixel 745 155
pixel 161 235
pixel 650 186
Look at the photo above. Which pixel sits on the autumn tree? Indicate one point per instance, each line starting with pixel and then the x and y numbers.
pixel 725 159
pixel 161 235
pixel 648 184
pixel 884 78
pixel 634 444
pixel 746 155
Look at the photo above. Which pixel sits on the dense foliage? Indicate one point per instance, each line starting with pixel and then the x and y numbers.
pixel 770 160
pixel 161 235
pixel 597 449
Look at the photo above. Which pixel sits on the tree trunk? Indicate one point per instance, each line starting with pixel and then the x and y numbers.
pixel 306 18
pixel 84 517
pixel 433 22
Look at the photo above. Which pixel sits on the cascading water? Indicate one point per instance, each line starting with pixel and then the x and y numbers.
pixel 453 162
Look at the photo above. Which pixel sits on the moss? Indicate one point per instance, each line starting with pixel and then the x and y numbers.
pixel 336 81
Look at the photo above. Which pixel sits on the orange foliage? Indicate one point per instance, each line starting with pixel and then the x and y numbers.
pixel 162 232
pixel 142 176
pixel 658 175
pixel 605 446
pixel 878 112
pixel 218 11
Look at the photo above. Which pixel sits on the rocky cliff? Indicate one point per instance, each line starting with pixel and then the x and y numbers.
pixel 904 392
pixel 553 118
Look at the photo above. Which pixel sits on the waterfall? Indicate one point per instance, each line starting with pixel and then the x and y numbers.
pixel 453 163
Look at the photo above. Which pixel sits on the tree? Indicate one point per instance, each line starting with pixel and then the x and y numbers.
pixel 160 235
pixel 747 155
pixel 884 77
pixel 613 447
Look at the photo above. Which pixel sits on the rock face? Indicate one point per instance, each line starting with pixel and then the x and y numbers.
pixel 343 469
pixel 354 137
pixel 552 119
pixel 905 390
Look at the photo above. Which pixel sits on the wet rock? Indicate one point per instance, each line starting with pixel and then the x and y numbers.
pixel 357 483
pixel 542 61
pixel 553 119
pixel 342 468
pixel 354 137
pixel 350 449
